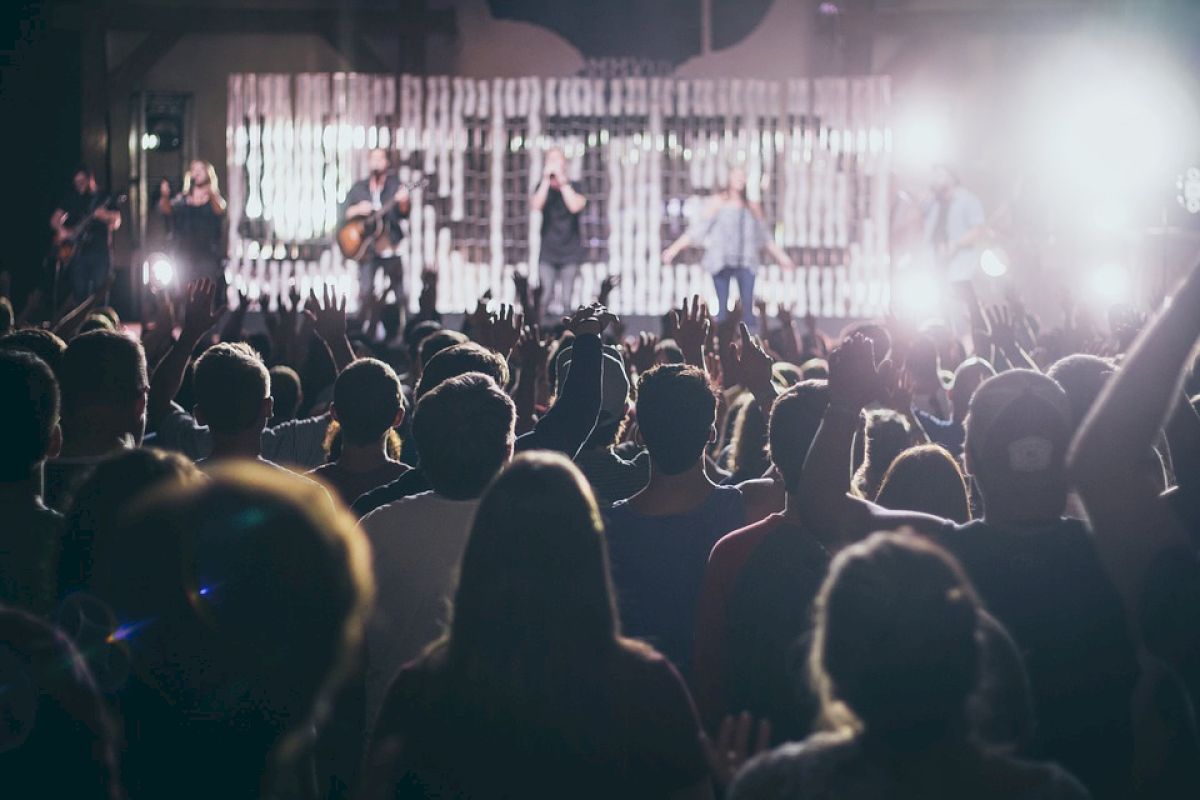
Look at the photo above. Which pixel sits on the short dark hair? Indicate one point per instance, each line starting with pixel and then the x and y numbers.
pixel 459 360
pixel 438 341
pixel 366 398
pixel 286 391
pixel 795 417
pixel 676 409
pixel 415 333
pixel 102 368
pixel 230 382
pixel 44 344
pixel 29 395
pixel 463 428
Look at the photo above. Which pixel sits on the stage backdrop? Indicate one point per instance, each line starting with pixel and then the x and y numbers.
pixel 644 150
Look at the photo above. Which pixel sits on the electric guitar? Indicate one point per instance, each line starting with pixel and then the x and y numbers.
pixel 68 241
pixel 356 236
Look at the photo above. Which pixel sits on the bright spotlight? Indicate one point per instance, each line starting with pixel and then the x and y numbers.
pixel 1110 283
pixel 917 294
pixel 158 269
pixel 993 263
pixel 923 138
pixel 1110 120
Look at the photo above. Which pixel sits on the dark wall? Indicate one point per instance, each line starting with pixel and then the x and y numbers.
pixel 40 124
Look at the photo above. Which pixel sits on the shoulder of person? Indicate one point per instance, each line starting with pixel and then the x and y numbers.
pixel 792 769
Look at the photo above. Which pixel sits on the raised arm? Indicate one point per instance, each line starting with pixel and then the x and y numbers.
pixel 200 314
pixel 329 323
pixel 825 479
pixel 574 200
pixel 1107 458
pixel 569 422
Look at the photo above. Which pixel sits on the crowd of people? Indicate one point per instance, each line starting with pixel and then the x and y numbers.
pixel 373 556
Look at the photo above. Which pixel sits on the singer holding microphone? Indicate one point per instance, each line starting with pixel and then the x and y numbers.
pixel 732 231
pixel 562 247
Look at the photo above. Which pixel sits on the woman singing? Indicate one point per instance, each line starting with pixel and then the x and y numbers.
pixel 732 231
pixel 195 218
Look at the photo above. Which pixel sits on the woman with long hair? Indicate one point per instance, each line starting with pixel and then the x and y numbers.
pixel 533 692
pixel 196 218
pixel 896 661
pixel 733 231
pixel 926 478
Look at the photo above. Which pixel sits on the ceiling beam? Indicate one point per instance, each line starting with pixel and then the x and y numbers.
pixel 206 18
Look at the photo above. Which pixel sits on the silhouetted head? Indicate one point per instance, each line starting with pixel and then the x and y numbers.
pixel 1017 432
pixel 367 401
pixel 458 360
pixel 926 478
pixel 104 387
pixel 896 651
pixel 795 417
pixel 534 577
pixel 676 415
pixel 464 431
pixel 232 388
pixel 29 431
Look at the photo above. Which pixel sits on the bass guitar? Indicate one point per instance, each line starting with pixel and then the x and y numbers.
pixel 356 236
pixel 67 242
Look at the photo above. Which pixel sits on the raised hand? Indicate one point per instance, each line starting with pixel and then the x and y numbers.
pixel 200 310
pixel 481 321
pixel 752 363
pixel 532 351
pixel 609 283
pixel 505 329
pixel 590 319
pixel 642 354
pixel 853 379
pixel 327 316
pixel 691 329
pixel 733 747
pixel 1003 334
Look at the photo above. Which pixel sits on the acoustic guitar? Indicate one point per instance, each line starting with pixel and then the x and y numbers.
pixel 68 242
pixel 356 236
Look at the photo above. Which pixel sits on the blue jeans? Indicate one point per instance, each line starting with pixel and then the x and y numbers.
pixel 745 281
pixel 87 272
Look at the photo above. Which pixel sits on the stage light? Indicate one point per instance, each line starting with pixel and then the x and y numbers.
pixel 159 269
pixel 1109 120
pixel 150 141
pixel 1110 283
pixel 923 137
pixel 993 263
pixel 1188 185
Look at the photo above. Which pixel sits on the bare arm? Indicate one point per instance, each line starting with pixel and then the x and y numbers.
pixel 328 319
pixel 538 201
pixel 199 317
pixel 1106 458
pixel 573 199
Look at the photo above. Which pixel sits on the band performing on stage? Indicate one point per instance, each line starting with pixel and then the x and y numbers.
pixel 82 225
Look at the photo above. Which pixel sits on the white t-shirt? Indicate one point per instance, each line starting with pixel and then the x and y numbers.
pixel 417 543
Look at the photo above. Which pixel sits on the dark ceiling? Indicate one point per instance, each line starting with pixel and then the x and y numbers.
pixel 661 30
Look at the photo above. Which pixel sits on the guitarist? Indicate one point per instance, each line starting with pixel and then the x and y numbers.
pixel 88 268
pixel 370 194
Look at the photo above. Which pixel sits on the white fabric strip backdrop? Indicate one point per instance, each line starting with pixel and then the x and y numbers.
pixel 645 151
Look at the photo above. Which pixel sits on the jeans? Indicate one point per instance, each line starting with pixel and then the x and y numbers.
pixel 745 281
pixel 392 267
pixel 558 284
pixel 87 272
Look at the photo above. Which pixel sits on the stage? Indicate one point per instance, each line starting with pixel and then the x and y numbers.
pixel 645 152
